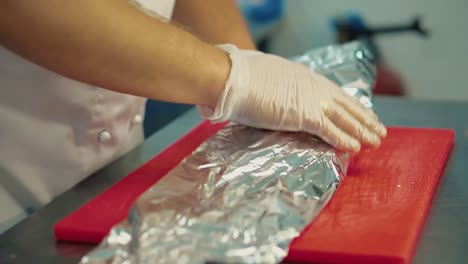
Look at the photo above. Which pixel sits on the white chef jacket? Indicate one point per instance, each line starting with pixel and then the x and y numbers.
pixel 55 131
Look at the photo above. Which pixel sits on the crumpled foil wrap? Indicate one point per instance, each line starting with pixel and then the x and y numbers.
pixel 244 194
pixel 349 65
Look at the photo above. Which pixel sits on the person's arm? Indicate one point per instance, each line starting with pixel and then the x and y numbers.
pixel 110 44
pixel 216 21
pixel 113 45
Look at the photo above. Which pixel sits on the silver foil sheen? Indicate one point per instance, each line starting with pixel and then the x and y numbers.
pixel 244 194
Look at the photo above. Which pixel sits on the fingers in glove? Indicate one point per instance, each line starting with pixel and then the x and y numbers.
pixel 350 125
pixel 333 135
pixel 363 115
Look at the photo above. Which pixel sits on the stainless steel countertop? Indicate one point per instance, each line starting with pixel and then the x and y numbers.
pixel 444 238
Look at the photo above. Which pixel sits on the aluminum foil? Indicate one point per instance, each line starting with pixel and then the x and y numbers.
pixel 244 194
pixel 348 65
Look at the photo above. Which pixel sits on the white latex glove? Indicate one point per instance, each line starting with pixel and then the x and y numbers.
pixel 267 91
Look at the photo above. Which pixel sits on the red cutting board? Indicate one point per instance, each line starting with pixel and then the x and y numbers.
pixel 378 212
pixel 376 215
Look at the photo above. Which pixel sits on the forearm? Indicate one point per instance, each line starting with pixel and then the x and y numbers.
pixel 216 21
pixel 112 45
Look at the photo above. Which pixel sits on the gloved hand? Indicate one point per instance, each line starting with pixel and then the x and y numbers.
pixel 267 91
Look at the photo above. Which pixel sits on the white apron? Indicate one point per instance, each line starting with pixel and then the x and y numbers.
pixel 55 131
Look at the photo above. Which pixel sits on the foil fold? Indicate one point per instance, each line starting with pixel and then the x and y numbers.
pixel 245 193
pixel 349 65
